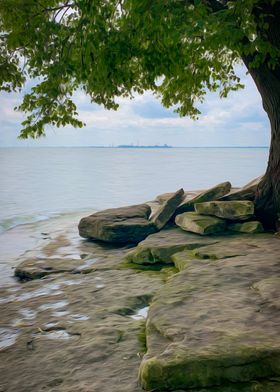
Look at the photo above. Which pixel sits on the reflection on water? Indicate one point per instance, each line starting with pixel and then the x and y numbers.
pixel 8 337
pixel 141 314
pixel 54 305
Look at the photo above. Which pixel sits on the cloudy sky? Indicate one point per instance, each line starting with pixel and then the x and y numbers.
pixel 238 120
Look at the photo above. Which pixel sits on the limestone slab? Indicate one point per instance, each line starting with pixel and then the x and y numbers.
pixel 232 210
pixel 167 209
pixel 159 247
pixel 118 225
pixel 200 224
pixel 210 194
pixel 247 192
pixel 209 326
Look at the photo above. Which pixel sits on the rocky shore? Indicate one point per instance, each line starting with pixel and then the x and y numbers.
pixel 178 294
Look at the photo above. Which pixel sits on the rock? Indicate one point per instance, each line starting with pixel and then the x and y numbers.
pixel 233 247
pixel 247 227
pixel 200 224
pixel 84 319
pixel 269 290
pixel 212 325
pixel 210 194
pixel 232 210
pixel 247 192
pixel 118 225
pixel 159 247
pixel 188 195
pixel 182 259
pixel 167 209
pixel 36 268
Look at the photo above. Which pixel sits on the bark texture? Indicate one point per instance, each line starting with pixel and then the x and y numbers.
pixel 267 80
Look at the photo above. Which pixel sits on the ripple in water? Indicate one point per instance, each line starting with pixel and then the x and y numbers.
pixel 8 337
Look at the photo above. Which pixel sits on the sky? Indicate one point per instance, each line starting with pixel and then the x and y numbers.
pixel 238 120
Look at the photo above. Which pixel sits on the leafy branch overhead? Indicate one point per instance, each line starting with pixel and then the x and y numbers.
pixel 179 49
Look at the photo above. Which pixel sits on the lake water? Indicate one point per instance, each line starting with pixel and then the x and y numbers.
pixel 40 183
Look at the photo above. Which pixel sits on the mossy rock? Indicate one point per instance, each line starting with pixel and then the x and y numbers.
pixel 232 210
pixel 200 224
pixel 159 247
pixel 246 227
pixel 182 259
pixel 167 209
pixel 210 194
pixel 214 323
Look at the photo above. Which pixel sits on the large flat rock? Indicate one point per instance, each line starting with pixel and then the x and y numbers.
pixel 159 247
pixel 200 224
pixel 82 327
pixel 118 225
pixel 75 332
pixel 216 323
pixel 213 193
pixel 232 210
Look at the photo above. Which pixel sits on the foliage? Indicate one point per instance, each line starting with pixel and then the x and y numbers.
pixel 179 49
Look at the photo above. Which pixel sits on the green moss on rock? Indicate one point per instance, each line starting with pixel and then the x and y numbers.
pixel 247 227
pixel 232 210
pixel 200 224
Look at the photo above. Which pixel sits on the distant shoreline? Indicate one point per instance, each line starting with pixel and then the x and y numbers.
pixel 142 147
pixel 137 146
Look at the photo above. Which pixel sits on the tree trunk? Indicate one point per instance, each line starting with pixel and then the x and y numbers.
pixel 267 198
pixel 267 80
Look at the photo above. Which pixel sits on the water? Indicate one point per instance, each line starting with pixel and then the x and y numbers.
pixel 39 183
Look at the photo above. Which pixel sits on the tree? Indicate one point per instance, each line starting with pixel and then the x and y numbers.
pixel 178 49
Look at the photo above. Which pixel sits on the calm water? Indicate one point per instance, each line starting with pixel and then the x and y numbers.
pixel 39 183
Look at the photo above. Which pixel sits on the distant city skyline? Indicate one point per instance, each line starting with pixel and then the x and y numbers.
pixel 237 121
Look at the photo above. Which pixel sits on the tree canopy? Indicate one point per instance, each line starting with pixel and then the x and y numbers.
pixel 178 49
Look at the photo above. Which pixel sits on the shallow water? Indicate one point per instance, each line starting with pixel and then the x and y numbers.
pixel 37 184
pixel 44 192
pixel 8 337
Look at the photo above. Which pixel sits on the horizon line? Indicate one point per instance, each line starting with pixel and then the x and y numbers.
pixel 135 147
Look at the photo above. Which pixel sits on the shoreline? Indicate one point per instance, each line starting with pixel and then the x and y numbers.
pixel 166 314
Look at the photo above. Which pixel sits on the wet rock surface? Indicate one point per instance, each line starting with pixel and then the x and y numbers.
pixel 69 331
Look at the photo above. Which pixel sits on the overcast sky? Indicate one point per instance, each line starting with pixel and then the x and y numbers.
pixel 238 120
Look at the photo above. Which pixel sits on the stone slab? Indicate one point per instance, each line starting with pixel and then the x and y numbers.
pixel 247 192
pixel 118 225
pixel 200 224
pixel 167 209
pixel 231 210
pixel 212 324
pixel 208 195
pixel 159 247
pixel 246 227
